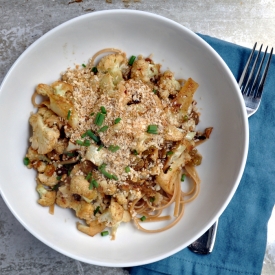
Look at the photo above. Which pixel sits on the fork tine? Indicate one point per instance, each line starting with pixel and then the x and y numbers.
pixel 255 92
pixel 262 82
pixel 245 90
pixel 245 71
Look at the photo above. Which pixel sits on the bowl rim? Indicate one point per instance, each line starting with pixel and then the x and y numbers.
pixel 229 74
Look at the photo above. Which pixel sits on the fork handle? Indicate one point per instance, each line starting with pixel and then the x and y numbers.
pixel 205 244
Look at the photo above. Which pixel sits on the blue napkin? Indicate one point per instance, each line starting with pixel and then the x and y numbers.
pixel 242 231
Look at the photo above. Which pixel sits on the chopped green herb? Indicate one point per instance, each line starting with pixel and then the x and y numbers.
pixel 56 187
pixel 113 148
pixel 114 177
pixel 91 186
pixel 127 169
pixel 83 65
pixel 169 153
pixel 70 154
pixel 152 129
pixel 58 177
pixel 102 170
pixel 86 142
pixel 84 135
pixel 152 199
pixel 131 60
pixel 26 161
pixel 143 218
pixel 104 233
pixel 100 147
pixel 69 114
pixel 92 114
pixel 95 138
pixel 94 70
pixel 185 117
pixel 103 129
pixel 94 183
pixel 96 210
pixel 88 176
pixel 103 110
pixel 117 120
pixel 182 177
pixel 135 152
pixel 170 169
pixel 99 119
pixel 154 91
pixel 79 142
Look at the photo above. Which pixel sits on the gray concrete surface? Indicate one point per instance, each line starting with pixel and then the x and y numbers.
pixel 22 22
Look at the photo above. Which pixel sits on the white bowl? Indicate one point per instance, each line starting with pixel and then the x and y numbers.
pixel 177 48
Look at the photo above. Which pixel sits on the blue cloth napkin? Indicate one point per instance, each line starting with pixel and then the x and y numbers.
pixel 242 231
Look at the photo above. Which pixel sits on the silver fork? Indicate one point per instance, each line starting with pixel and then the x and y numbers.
pixel 251 85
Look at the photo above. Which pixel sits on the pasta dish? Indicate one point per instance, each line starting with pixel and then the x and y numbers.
pixel 114 140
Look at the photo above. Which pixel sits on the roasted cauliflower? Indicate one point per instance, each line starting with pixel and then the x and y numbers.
pixel 115 65
pixel 168 85
pixel 44 137
pixel 145 70
pixel 60 100
pixel 47 197
pixel 80 186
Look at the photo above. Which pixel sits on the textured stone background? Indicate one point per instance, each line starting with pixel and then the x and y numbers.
pixel 22 22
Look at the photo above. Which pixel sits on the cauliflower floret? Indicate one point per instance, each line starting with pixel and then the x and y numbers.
pixel 143 141
pixel 48 180
pixel 175 162
pixel 84 210
pixel 121 199
pixel 40 166
pixel 115 65
pixel 177 152
pixel 60 94
pixel 112 215
pixel 106 84
pixel 44 137
pixel 108 188
pixel 79 185
pixel 95 156
pixel 134 194
pixel 145 70
pixel 64 197
pixel 47 197
pixel 61 146
pixel 168 85
pixel 33 155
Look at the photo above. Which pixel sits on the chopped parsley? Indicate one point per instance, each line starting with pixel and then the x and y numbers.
pixel 103 110
pixel 94 70
pixel 99 119
pixel 143 218
pixel 132 60
pixel 69 115
pixel 26 161
pixel 113 148
pixel 103 129
pixel 152 129
pixel 104 233
pixel 117 120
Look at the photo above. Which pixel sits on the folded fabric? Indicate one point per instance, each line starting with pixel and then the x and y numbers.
pixel 242 231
